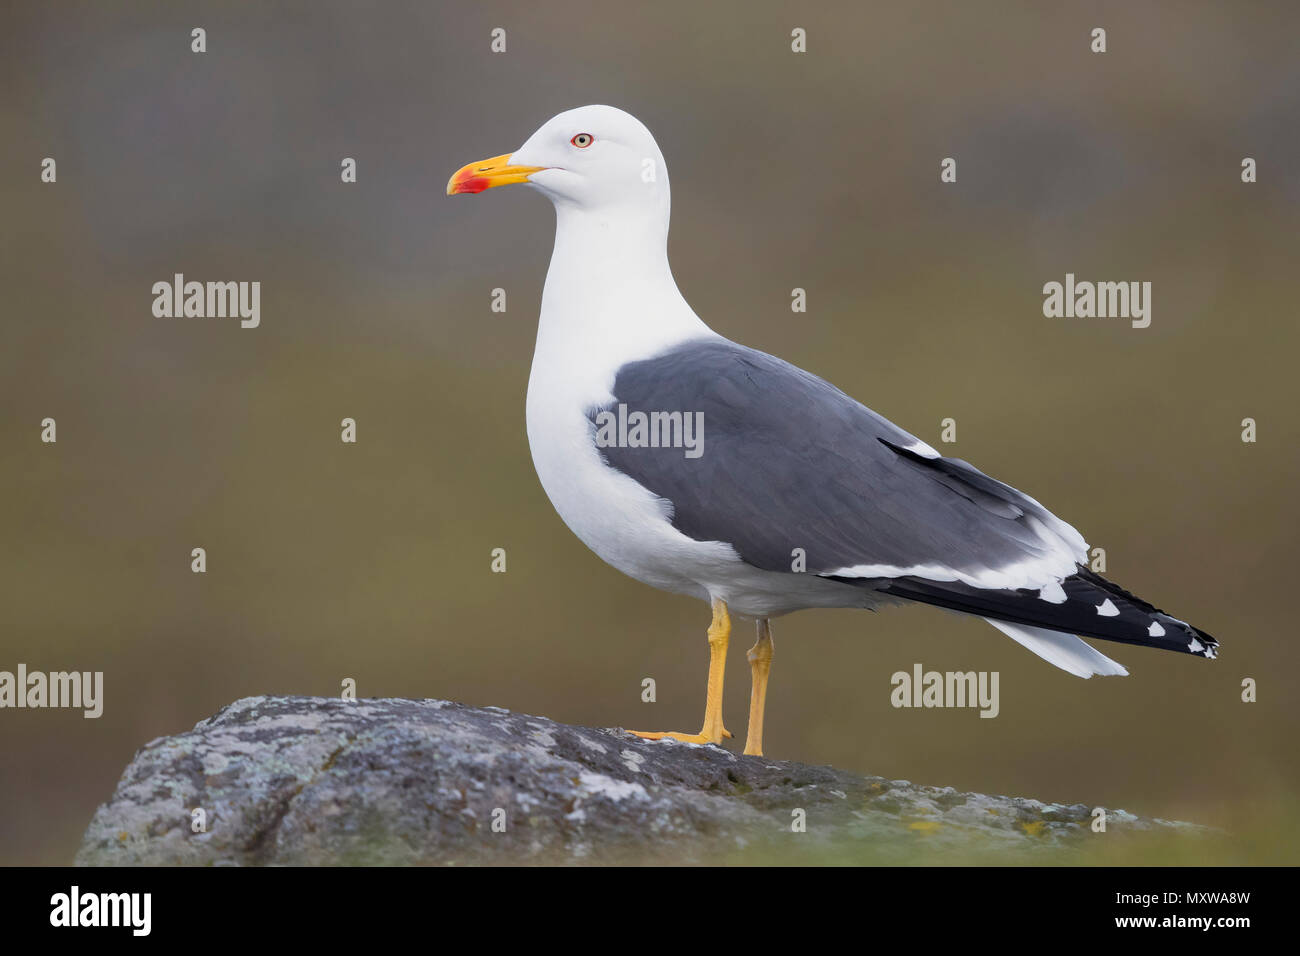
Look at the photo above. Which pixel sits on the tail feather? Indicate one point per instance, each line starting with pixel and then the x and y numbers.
pixel 1066 651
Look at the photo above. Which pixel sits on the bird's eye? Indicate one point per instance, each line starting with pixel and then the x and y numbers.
pixel 582 140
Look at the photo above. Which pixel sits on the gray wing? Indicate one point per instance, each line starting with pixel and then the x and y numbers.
pixel 789 461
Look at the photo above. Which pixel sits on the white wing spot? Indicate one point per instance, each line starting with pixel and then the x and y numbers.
pixel 1052 594
pixel 1155 630
pixel 1107 608
pixel 1195 646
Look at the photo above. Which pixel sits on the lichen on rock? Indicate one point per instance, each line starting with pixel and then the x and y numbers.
pixel 312 781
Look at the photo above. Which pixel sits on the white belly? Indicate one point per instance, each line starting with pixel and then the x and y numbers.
pixel 623 522
pixel 630 527
pixel 594 319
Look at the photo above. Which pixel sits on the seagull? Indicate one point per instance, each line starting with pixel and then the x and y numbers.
pixel 702 467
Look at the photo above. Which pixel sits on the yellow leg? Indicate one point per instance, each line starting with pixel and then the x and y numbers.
pixel 760 663
pixel 712 732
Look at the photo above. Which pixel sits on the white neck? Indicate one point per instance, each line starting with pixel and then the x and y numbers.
pixel 610 296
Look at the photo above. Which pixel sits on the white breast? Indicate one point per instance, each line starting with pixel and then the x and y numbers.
pixel 585 334
pixel 630 528
pixel 610 299
pixel 623 522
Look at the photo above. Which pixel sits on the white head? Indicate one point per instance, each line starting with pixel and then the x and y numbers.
pixel 594 159
pixel 610 294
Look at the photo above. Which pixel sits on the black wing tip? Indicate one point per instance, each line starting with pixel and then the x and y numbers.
pixel 1199 643
pixel 1092 607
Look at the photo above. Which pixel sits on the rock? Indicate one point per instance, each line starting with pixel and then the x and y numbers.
pixel 309 781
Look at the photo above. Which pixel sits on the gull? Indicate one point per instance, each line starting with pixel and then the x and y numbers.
pixel 702 467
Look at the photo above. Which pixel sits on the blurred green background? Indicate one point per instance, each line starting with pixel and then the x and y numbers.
pixel 818 170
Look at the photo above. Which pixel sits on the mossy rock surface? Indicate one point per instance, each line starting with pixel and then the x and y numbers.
pixel 312 781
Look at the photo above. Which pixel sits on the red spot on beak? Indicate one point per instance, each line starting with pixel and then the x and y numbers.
pixel 488 173
pixel 471 184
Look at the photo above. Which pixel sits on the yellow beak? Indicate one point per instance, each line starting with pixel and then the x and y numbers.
pixel 487 173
